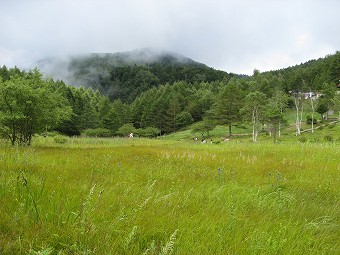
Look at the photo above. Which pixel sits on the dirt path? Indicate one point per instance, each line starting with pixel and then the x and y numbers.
pixel 309 129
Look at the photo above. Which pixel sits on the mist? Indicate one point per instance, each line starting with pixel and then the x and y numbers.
pixel 234 36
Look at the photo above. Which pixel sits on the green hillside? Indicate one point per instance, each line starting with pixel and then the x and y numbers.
pixel 125 75
pixel 163 94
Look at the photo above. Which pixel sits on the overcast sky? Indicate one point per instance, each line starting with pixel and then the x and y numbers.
pixel 232 35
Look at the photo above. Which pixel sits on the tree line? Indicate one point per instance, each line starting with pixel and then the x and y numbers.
pixel 31 104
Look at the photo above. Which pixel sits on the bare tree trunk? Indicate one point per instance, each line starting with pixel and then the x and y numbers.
pixel 253 117
pixel 279 128
pixel 13 136
pixel 312 104
pixel 301 113
pixel 297 122
pixel 298 101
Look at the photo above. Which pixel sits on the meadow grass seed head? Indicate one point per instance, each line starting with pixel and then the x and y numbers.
pixel 130 238
pixel 232 173
pixel 169 246
pixel 278 177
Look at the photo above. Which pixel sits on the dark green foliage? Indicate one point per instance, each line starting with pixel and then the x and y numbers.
pixel 313 73
pixel 183 119
pixel 60 139
pixel 328 138
pixel 309 120
pixel 98 132
pixel 302 139
pixel 126 75
pixel 322 106
pixel 168 93
pixel 226 109
pixel 204 127
pixel 126 129
pixel 68 127
pixel 29 105
pixel 150 132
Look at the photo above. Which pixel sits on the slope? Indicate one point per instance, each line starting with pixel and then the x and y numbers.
pixel 125 75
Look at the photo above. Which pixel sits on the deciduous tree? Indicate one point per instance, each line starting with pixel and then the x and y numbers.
pixel 29 105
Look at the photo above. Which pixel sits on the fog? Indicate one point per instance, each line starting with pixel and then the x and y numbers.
pixel 234 36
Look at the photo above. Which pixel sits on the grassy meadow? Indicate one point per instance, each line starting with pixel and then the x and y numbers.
pixel 140 196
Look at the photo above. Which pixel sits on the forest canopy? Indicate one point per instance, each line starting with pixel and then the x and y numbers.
pixel 159 98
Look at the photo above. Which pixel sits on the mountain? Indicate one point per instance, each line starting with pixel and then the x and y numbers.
pixel 125 75
pixel 311 75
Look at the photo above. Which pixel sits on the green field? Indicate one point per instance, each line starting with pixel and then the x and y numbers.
pixel 139 196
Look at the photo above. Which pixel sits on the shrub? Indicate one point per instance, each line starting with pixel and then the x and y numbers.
pixel 98 132
pixel 60 139
pixel 328 138
pixel 126 129
pixel 309 120
pixel 302 139
pixel 151 132
pixel 316 140
pixel 50 134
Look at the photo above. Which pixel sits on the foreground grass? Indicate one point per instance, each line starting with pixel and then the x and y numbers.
pixel 153 197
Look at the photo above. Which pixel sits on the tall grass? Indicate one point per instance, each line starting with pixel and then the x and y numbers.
pixel 153 197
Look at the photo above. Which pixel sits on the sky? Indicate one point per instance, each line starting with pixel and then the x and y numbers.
pixel 232 35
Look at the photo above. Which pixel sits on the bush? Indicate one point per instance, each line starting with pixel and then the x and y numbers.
pixel 60 139
pixel 302 139
pixel 151 132
pixel 126 129
pixel 309 120
pixel 98 132
pixel 316 140
pixel 328 138
pixel 50 134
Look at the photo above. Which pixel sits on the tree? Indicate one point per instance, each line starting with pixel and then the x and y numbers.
pixel 200 101
pixel 254 108
pixel 312 104
pixel 280 100
pixel 183 119
pixel 336 105
pixel 274 116
pixel 29 105
pixel 204 127
pixel 229 102
pixel 325 101
pixel 112 121
pixel 172 112
pixel 298 102
pixel 126 129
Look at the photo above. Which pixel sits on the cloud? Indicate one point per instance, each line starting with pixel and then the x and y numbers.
pixel 235 36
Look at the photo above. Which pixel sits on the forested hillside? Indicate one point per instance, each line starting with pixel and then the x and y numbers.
pixel 160 98
pixel 127 74
pixel 311 74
